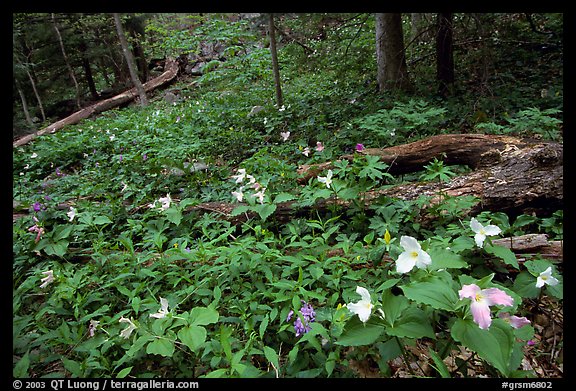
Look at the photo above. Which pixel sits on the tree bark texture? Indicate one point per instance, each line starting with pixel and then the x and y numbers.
pixel 274 53
pixel 444 54
pixel 130 61
pixel 170 72
pixel 392 73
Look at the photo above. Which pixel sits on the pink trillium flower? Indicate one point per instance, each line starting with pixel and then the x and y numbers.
pixel 515 321
pixel 482 300
pixel 319 146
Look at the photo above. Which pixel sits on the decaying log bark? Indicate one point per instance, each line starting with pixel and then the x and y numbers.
pixel 473 150
pixel 510 174
pixel 531 244
pixel 171 70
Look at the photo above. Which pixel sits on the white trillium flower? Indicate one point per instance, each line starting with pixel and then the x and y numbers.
pixel 260 195
pixel 48 279
pixel 238 194
pixel 163 309
pixel 483 231
pixel 128 330
pixel 72 214
pixel 306 151
pixel 34 155
pixel 284 135
pixel 362 308
pixel 413 255
pixel 327 179
pixel 545 278
pixel 165 201
pixel 240 177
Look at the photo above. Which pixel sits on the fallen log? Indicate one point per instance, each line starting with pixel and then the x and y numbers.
pixel 532 244
pixel 473 150
pixel 511 175
pixel 170 72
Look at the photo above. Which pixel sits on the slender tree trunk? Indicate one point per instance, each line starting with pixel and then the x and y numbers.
pixel 130 61
pixel 444 54
pixel 88 70
pixel 24 104
pixel 390 55
pixel 70 70
pixel 36 94
pixel 274 53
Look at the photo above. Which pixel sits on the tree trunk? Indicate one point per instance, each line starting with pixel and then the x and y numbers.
pixel 274 53
pixel 171 70
pixel 88 69
pixel 510 174
pixel 36 94
pixel 130 61
pixel 24 103
pixel 392 71
pixel 70 70
pixel 444 54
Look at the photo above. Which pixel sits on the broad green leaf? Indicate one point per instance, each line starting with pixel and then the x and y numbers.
pixel 101 220
pixel 357 333
pixel 73 367
pixel 124 372
pixel 393 306
pixel 161 346
pixel 192 336
pixel 525 285
pixel 222 372
pixel 201 316
pixel 174 215
pixel 21 368
pixel 139 344
pixel 263 326
pixel 445 259
pixel 493 345
pixel 503 253
pixel 433 291
pixel 462 243
pixel 271 356
pixel 412 324
pixel 264 210
pixel 283 197
pixel 240 209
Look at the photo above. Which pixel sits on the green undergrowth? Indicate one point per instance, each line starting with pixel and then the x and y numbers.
pixel 125 266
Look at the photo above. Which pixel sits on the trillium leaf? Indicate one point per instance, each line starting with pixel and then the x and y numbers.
pixel 503 253
pixel 493 345
pixel 201 316
pixel 174 215
pixel 283 197
pixel 357 333
pixel 192 336
pixel 161 346
pixel 445 259
pixel 525 285
pixel 433 291
pixel 412 324
pixel 264 210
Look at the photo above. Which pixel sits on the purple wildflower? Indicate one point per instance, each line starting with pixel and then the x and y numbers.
pixel 37 206
pixel 144 157
pixel 309 316
pixel 359 147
